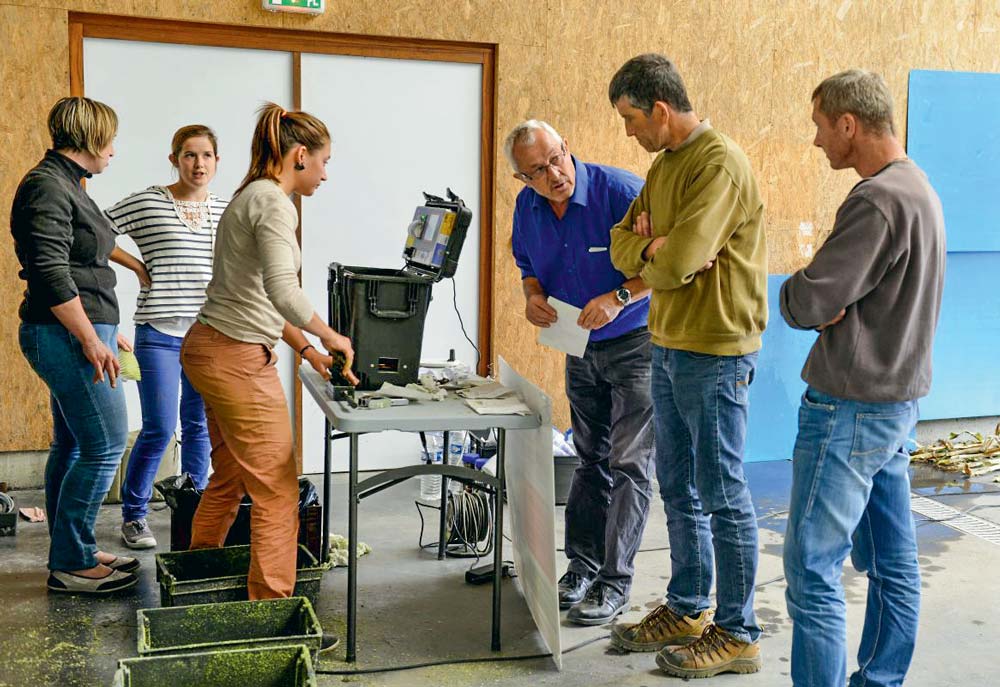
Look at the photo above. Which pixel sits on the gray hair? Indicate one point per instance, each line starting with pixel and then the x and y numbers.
pixel 858 92
pixel 524 134
pixel 646 79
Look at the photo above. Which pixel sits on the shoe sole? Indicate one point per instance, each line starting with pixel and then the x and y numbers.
pixel 626 645
pixel 333 645
pixel 94 592
pixel 743 666
pixel 139 545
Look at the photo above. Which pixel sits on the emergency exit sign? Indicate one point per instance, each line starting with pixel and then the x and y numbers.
pixel 304 6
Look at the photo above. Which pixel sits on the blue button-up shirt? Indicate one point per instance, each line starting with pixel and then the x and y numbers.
pixel 570 256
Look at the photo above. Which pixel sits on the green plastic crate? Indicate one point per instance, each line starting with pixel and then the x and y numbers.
pixel 274 667
pixel 230 625
pixel 206 576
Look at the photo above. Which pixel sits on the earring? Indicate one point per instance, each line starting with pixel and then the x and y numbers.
pixel 299 166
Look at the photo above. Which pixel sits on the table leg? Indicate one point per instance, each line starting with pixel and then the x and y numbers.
pixel 327 501
pixel 444 497
pixel 498 537
pixel 352 552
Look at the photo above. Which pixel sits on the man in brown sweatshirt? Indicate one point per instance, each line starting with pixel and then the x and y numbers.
pixel 873 291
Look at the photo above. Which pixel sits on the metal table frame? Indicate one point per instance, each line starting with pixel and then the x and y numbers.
pixel 450 414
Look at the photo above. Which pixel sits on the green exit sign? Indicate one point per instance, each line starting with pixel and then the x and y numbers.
pixel 304 6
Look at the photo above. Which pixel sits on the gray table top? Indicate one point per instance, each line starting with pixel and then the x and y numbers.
pixel 418 416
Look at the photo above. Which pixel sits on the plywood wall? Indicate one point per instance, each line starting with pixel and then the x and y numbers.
pixel 749 66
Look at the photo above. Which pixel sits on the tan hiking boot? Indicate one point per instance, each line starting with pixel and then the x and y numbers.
pixel 716 651
pixel 661 627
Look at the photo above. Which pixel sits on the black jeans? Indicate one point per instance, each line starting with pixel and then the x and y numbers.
pixel 611 410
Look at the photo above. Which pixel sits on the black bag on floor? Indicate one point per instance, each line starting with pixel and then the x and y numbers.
pixel 182 497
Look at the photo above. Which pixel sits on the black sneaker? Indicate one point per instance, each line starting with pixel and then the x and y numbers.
pixel 602 604
pixel 572 589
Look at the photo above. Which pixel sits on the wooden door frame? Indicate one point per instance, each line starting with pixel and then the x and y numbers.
pixel 141 29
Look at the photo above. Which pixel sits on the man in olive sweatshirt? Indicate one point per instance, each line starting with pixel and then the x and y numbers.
pixel 873 291
pixel 700 205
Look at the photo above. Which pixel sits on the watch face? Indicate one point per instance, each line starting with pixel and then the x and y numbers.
pixel 624 296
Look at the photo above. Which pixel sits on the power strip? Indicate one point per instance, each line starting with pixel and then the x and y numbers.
pixel 483 574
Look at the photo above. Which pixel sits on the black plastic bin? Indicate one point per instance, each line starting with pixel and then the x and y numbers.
pixel 289 666
pixel 183 498
pixel 382 311
pixel 206 576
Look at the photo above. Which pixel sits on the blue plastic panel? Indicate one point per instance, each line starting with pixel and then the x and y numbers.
pixel 952 134
pixel 777 385
pixel 966 359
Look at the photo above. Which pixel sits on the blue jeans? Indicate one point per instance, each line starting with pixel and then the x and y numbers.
pixel 850 485
pixel 701 405
pixel 159 357
pixel 90 427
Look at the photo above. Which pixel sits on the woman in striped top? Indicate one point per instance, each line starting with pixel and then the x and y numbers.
pixel 174 228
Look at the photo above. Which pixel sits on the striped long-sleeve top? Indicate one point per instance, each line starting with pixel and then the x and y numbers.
pixel 177 253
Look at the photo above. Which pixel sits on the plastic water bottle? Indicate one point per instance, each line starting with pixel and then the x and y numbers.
pixel 456 449
pixel 430 485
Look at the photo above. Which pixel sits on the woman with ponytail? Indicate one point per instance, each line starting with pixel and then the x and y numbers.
pixel 254 299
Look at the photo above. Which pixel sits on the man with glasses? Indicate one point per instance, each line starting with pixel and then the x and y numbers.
pixel 700 204
pixel 562 224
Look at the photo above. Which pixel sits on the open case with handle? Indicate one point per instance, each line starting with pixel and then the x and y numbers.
pixel 383 310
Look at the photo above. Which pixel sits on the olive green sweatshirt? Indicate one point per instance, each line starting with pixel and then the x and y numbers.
pixel 704 199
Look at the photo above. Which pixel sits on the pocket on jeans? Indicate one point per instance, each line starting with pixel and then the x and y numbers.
pixel 699 356
pixel 879 434
pixel 809 400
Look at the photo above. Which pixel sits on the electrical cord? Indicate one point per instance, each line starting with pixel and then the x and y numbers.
pixel 469 523
pixel 460 661
pixel 6 504
pixel 454 301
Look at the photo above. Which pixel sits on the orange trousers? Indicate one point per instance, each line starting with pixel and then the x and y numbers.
pixel 252 453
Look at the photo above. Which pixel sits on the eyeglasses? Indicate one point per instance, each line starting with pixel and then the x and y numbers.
pixel 537 172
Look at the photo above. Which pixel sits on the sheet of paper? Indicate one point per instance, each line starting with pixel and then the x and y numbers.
pixel 493 390
pixel 565 334
pixel 512 405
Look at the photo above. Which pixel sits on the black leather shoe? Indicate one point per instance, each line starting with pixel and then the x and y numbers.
pixel 572 589
pixel 601 605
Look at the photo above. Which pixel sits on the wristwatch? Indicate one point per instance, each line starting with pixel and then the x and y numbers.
pixel 623 295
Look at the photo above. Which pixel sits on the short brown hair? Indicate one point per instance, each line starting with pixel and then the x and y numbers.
pixel 858 92
pixel 81 124
pixel 277 132
pixel 192 131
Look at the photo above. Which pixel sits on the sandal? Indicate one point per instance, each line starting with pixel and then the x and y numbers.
pixel 66 582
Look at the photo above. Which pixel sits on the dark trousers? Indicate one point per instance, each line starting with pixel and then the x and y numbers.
pixel 611 410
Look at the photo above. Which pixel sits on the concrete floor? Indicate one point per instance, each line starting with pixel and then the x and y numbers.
pixel 414 608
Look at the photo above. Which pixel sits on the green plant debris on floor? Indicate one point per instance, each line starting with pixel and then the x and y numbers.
pixel 970 453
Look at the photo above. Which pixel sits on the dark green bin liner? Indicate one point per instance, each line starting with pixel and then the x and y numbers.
pixel 289 666
pixel 230 625
pixel 216 575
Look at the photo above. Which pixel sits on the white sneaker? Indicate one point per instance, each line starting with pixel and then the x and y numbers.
pixel 137 535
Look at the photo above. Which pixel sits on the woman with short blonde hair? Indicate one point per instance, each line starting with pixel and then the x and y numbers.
pixel 69 335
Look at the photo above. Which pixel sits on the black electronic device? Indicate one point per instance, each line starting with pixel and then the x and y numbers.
pixel 435 236
pixel 381 310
